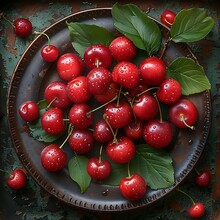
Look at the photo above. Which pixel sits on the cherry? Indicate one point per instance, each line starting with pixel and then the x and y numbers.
pixel 53 158
pixel 167 17
pixel 141 87
pixel 169 91
pixel 80 115
pixel 145 107
pixel 52 121
pixel 22 27
pixel 121 151
pixel 55 93
pixel 203 178
pixel 69 66
pixel 153 71
pixel 134 130
pixel 183 114
pixel 133 187
pixel 122 49
pixel 81 141
pixel 29 111
pixel 126 74
pixel 99 80
pixel 118 115
pixel 77 90
pixel 158 134
pixel 102 132
pixel 17 179
pixel 97 56
pixel 109 94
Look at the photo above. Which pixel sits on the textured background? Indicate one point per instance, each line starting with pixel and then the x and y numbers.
pixel 34 202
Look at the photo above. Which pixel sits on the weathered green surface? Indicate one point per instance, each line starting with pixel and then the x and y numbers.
pixel 35 203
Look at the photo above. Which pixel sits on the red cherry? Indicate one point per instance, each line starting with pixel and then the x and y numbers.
pixel 158 134
pixel 126 74
pixel 141 87
pixel 121 151
pixel 122 49
pixel 53 158
pixel 134 130
pixel 69 66
pixel 203 178
pixel 99 169
pixel 56 93
pixel 80 115
pixel 49 53
pixel 78 90
pixel 153 71
pixel 17 179
pixel 145 107
pixel 99 80
pixel 183 114
pixel 29 111
pixel 81 141
pixel 118 115
pixel 97 56
pixel 22 27
pixel 168 17
pixel 197 210
pixel 169 91
pixel 52 121
pixel 133 187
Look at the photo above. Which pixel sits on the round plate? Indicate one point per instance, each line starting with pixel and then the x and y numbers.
pixel 31 76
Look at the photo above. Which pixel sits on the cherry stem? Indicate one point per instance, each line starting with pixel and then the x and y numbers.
pixel 70 130
pixel 165 47
pixel 129 172
pixel 184 122
pixel 101 106
pixel 4 171
pixel 49 105
pixel 145 91
pixel 39 33
pixel 160 111
pixel 119 94
pixel 100 154
pixel 97 63
pixel 9 21
pixel 186 194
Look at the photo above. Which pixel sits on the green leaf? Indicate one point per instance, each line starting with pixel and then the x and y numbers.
pixel 36 130
pixel 191 25
pixel 155 165
pixel 189 74
pixel 78 173
pixel 85 35
pixel 138 27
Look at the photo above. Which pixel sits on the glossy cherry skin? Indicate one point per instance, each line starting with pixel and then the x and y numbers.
pixel 98 169
pixel 183 110
pixel 122 49
pixel 69 66
pixel 97 56
pixel 169 91
pixel 29 111
pixel 22 27
pixel 79 115
pixel 49 53
pixel 78 90
pixel 134 130
pixel 52 121
pixel 102 132
pixel 145 107
pixel 133 187
pixel 53 158
pixel 203 178
pixel 81 141
pixel 126 74
pixel 121 151
pixel 197 210
pixel 56 93
pixel 153 71
pixel 17 179
pixel 118 115
pixel 167 17
pixel 99 80
pixel 158 134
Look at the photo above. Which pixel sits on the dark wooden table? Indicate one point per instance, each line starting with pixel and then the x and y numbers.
pixel 34 202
